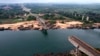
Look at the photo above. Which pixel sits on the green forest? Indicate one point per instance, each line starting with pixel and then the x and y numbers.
pixel 12 12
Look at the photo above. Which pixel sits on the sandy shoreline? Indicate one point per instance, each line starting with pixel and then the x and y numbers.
pixel 28 25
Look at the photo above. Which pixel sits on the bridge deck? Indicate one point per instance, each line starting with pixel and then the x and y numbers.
pixel 42 22
pixel 89 50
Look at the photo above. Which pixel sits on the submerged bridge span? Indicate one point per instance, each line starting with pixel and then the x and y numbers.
pixel 84 47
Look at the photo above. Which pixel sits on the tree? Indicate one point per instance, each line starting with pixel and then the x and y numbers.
pixel 31 18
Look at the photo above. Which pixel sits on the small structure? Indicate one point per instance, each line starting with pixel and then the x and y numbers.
pixel 7 7
pixel 83 17
pixel 87 19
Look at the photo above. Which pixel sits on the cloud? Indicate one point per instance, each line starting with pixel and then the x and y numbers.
pixel 49 1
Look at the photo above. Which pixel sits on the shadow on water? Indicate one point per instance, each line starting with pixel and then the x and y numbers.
pixel 45 32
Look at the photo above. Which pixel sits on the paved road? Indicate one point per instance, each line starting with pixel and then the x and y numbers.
pixel 41 20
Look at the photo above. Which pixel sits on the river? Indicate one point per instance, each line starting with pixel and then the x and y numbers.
pixel 27 43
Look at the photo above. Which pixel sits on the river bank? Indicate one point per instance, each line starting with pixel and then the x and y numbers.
pixel 34 25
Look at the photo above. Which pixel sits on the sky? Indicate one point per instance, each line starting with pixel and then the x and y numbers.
pixel 51 1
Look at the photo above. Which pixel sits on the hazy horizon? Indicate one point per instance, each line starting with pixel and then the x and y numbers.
pixel 52 1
